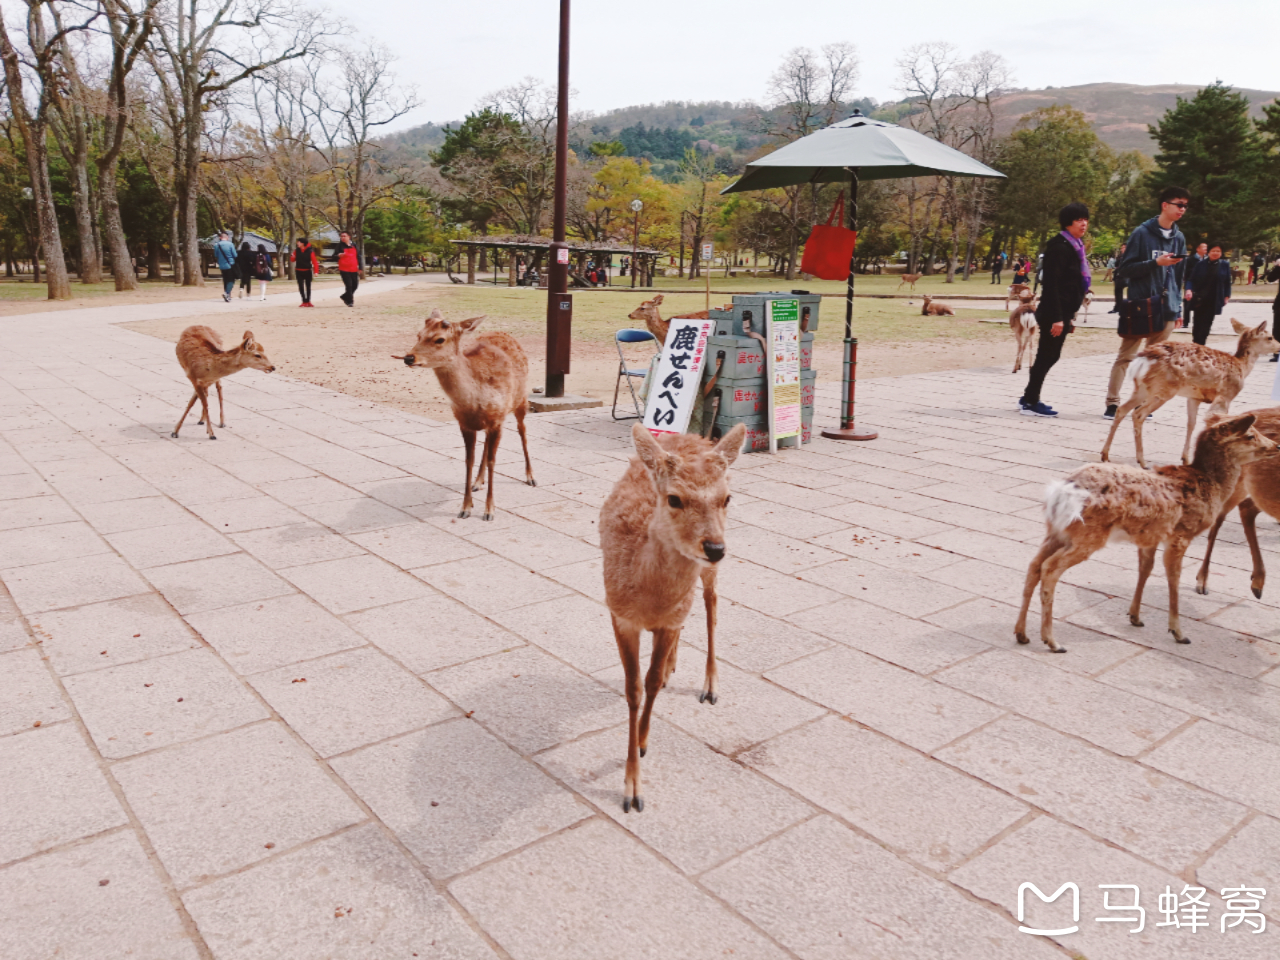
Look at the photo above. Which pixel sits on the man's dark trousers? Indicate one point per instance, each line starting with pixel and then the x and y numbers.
pixel 350 280
pixel 304 285
pixel 1048 350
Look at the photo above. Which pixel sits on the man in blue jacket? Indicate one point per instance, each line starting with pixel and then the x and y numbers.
pixel 224 253
pixel 1152 266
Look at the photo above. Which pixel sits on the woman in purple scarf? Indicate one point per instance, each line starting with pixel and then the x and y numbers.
pixel 1065 281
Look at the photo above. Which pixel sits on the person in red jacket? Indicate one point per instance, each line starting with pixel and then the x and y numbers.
pixel 348 267
pixel 306 265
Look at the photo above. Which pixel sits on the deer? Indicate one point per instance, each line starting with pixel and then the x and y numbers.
pixel 484 381
pixel 1257 492
pixel 662 529
pixel 1022 322
pixel 1201 374
pixel 1102 503
pixel 910 279
pixel 931 309
pixel 1017 291
pixel 648 312
pixel 205 363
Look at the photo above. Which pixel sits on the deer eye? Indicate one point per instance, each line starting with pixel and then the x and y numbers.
pixel 675 503
pixel 440 340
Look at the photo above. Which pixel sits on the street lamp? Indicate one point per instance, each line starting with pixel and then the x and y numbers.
pixel 636 207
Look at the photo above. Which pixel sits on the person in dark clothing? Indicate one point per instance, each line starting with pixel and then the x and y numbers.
pixel 245 261
pixel 305 265
pixel 1208 291
pixel 1255 267
pixel 997 266
pixel 348 267
pixel 1065 281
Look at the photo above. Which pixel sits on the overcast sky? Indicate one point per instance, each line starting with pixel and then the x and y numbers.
pixel 629 53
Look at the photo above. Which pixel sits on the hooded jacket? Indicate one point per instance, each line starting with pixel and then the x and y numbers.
pixel 1143 276
pixel 348 259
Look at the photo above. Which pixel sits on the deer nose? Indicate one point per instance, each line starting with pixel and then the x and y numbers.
pixel 408 359
pixel 713 550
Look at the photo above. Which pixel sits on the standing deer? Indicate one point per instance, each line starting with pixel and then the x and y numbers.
pixel 1258 491
pixel 661 530
pixel 1104 502
pixel 1201 374
pixel 1022 321
pixel 909 278
pixel 205 363
pixel 931 309
pixel 484 382
pixel 1017 291
pixel 648 312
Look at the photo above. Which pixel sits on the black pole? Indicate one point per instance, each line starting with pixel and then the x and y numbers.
pixel 559 304
pixel 848 429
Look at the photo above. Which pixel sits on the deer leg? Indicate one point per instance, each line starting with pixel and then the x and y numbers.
pixel 1202 578
pixel 469 442
pixel 1146 561
pixel 1193 405
pixel 222 411
pixel 1050 546
pixel 1173 551
pixel 709 598
pixel 520 411
pixel 663 639
pixel 628 638
pixel 1125 407
pixel 1248 516
pixel 204 407
pixel 484 462
pixel 1050 572
pixel 1145 409
pixel 491 455
pixel 190 403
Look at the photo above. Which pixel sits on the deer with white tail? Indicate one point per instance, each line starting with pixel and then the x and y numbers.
pixel 1201 374
pixel 1103 503
pixel 1022 323
pixel 662 529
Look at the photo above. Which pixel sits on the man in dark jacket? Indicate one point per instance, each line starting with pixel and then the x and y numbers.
pixel 1152 266
pixel 1065 281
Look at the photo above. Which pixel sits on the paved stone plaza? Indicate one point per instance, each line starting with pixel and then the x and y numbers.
pixel 268 698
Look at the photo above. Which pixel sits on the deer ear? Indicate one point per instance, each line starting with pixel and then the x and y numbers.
pixel 730 444
pixel 657 299
pixel 1261 328
pixel 248 337
pixel 1242 423
pixel 650 452
pixel 471 322
pixel 435 314
pixel 1237 326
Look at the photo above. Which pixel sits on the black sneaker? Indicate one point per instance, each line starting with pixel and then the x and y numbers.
pixel 1110 413
pixel 1274 358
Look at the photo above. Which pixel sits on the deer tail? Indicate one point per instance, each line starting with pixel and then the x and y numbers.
pixel 1064 504
pixel 1028 321
pixel 1138 369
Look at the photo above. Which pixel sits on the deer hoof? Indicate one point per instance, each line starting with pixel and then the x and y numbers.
pixel 1202 589
pixel 174 434
pixel 532 482
pixel 464 514
pixel 1022 638
pixel 199 423
pixel 1178 637
pixel 629 802
pixel 1058 650
pixel 487 516
pixel 1257 591
pixel 222 426
pixel 212 437
pixel 708 696
pixel 643 751
pixel 1135 620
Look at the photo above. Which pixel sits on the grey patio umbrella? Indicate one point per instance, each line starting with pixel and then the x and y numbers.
pixel 855 149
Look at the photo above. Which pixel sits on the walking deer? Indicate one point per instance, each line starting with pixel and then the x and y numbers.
pixel 1257 492
pixel 1201 374
pixel 1022 321
pixel 1017 291
pixel 484 382
pixel 661 530
pixel 910 279
pixel 931 309
pixel 205 363
pixel 1104 502
pixel 648 312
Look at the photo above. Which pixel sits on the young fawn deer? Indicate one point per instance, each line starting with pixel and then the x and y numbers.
pixel 200 352
pixel 910 279
pixel 931 309
pixel 1105 502
pixel 661 529
pixel 1022 322
pixel 1257 492
pixel 648 312
pixel 484 382
pixel 1201 374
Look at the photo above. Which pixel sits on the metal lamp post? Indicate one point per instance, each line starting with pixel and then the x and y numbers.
pixel 636 207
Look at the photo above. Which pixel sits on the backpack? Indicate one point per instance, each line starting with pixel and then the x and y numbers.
pixel 262 266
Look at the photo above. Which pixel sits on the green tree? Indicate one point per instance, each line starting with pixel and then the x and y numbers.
pixel 1210 146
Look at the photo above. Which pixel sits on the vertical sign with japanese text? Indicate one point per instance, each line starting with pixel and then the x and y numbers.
pixel 676 386
pixel 783 369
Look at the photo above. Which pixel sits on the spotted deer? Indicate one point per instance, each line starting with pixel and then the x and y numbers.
pixel 1017 291
pixel 1257 492
pixel 1103 503
pixel 1201 374
pixel 205 363
pixel 648 312
pixel 662 529
pixel 909 279
pixel 931 309
pixel 485 380
pixel 1022 323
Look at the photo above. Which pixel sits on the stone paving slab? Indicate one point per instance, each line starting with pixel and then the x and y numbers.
pixel 290 706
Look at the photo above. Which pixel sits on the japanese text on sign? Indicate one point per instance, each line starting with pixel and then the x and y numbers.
pixel 675 387
pixel 783 366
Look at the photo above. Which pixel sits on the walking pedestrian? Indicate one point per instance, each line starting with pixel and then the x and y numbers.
pixel 262 270
pixel 1065 279
pixel 224 254
pixel 1208 291
pixel 305 265
pixel 1021 270
pixel 348 267
pixel 1255 267
pixel 1152 269
pixel 997 266
pixel 1193 261
pixel 246 262
pixel 1111 268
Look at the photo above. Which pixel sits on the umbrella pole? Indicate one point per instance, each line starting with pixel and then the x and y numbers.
pixel 848 429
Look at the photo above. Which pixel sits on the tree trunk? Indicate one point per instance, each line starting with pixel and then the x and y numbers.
pixel 154 263
pixel 90 267
pixel 175 245
pixel 794 246
pixel 471 265
pixel 121 267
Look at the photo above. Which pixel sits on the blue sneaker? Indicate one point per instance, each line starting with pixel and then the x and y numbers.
pixel 1022 406
pixel 1038 410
